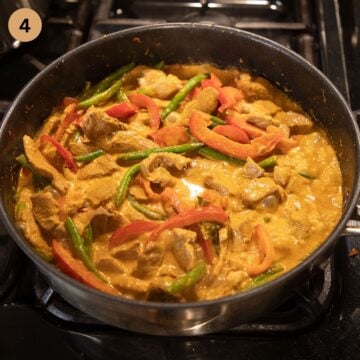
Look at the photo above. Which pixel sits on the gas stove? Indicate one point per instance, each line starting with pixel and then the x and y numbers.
pixel 321 320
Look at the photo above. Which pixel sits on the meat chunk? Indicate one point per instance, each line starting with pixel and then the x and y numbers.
pixel 206 102
pixel 298 123
pixel 150 259
pixel 81 148
pixel 96 123
pixel 282 175
pixel 258 189
pixel 101 220
pixel 159 85
pixel 211 183
pixel 166 160
pixel 261 108
pixel 26 222
pixel 102 166
pixel 128 250
pixel 45 210
pixel 109 265
pixel 130 283
pixel 252 170
pixel 42 166
pixel 162 177
pixel 254 89
pixel 183 248
pixel 125 141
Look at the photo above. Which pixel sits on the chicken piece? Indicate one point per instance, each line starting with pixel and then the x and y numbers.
pixel 206 102
pixel 183 248
pixel 81 148
pixel 166 160
pixel 261 108
pixel 159 85
pixel 45 209
pixel 254 89
pixel 130 283
pixel 26 222
pixel 125 141
pixel 162 177
pixel 150 259
pixel 96 124
pixel 102 166
pixel 282 175
pixel 298 123
pixel 213 184
pixel 42 166
pixel 258 189
pixel 252 170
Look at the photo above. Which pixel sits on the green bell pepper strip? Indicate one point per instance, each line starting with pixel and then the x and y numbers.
pixel 271 161
pixel 88 236
pixel 176 149
pixel 125 182
pixel 181 94
pixel 189 279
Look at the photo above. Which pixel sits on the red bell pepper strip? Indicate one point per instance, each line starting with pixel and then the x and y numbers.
pixel 143 101
pixel 127 232
pixel 252 130
pixel 266 247
pixel 69 100
pixel 259 147
pixel 122 110
pixel 77 270
pixel 70 116
pixel 233 133
pixel 205 244
pixel 214 82
pixel 65 154
pixel 190 217
pixel 228 97
pixel 171 135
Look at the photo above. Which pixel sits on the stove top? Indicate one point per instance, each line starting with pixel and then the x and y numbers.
pixel 321 320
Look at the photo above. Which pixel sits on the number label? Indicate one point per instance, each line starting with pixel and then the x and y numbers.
pixel 25 25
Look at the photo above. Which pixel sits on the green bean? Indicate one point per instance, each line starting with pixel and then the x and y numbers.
pixel 121 96
pixel 79 247
pixel 88 236
pixel 90 156
pixel 189 279
pixel 123 187
pixel 177 149
pixel 149 213
pixel 216 155
pixel 109 80
pixel 86 91
pixel 264 277
pixel 160 65
pixel 39 179
pixel 179 97
pixel 271 161
pixel 101 97
pixel 307 176
pixel 216 120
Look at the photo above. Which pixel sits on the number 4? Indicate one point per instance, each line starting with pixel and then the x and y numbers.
pixel 25 25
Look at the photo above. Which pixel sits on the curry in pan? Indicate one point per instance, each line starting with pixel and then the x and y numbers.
pixel 177 183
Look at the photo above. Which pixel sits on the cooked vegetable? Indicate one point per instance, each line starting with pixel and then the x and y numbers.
pixel 110 80
pixel 216 188
pixel 123 188
pixel 129 231
pixel 79 247
pixel 188 280
pixel 271 161
pixel 180 96
pixel 65 154
pixel 90 156
pixel 149 213
pixel 102 96
pixel 77 270
pixel 178 149
pixel 190 217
